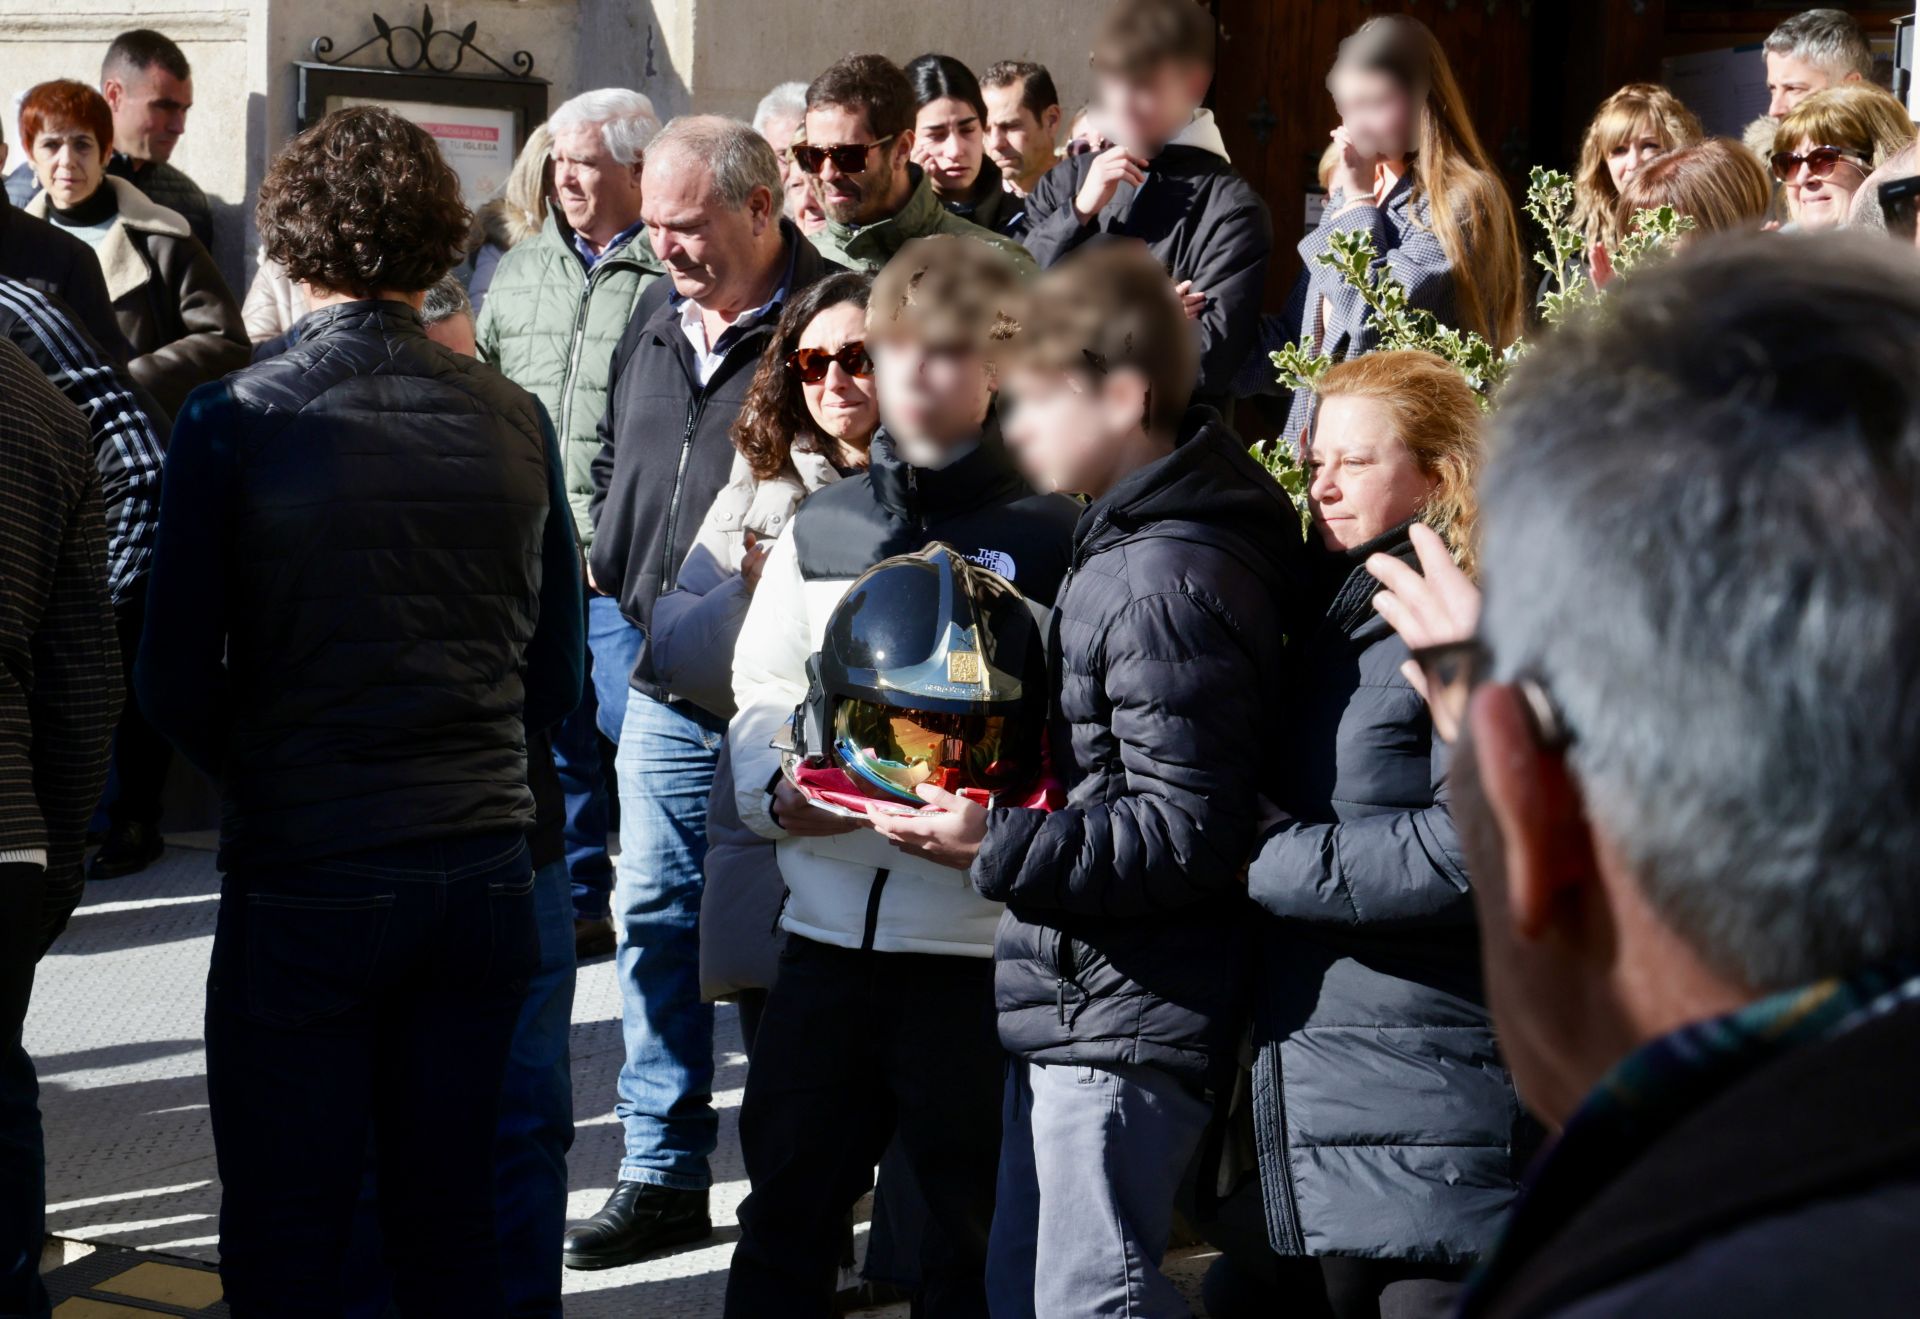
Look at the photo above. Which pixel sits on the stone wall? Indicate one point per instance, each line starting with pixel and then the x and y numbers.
pixel 709 55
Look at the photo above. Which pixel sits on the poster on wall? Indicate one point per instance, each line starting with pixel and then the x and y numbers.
pixel 479 142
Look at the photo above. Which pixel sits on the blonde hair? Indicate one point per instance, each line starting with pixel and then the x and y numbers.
pixel 1620 119
pixel 1860 116
pixel 516 213
pixel 1472 215
pixel 1436 415
pixel 1717 183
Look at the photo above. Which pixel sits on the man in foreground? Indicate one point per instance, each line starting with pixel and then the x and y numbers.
pixel 1688 791
pixel 365 595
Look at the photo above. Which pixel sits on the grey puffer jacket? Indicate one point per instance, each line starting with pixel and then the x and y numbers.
pixel 1125 935
pixel 1385 1120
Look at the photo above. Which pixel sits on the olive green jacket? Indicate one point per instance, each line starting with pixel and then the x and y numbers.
pixel 550 327
pixel 871 246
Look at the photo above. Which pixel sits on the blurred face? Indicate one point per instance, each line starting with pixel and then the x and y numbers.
pixel 1020 144
pixel 1363 482
pixel 1821 203
pixel 599 196
pixel 1791 80
pixel 779 134
pixel 1376 112
pixel 1627 156
pixel 1145 111
pixel 149 111
pixel 455 334
pixel 843 405
pixel 948 145
pixel 1063 426
pixel 930 398
pixel 803 206
pixel 69 162
pixel 879 188
pixel 712 252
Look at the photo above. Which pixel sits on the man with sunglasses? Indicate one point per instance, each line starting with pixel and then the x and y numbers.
pixel 858 139
pixel 1686 789
pixel 711 203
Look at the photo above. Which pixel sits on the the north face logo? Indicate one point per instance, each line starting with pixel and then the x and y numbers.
pixel 994 560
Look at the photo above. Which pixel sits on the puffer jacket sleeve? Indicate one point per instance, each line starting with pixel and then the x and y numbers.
pixel 1232 272
pixel 696 626
pixel 1395 868
pixel 1414 257
pixel 1187 710
pixel 215 339
pixel 1053 227
pixel 769 680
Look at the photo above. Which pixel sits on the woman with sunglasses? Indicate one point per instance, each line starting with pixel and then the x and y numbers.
pixel 1828 144
pixel 1385 1121
pixel 806 422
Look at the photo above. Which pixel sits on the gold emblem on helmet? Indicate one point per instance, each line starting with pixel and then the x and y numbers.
pixel 964 666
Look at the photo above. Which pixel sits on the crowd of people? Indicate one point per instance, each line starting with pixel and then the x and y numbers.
pixel 1484 890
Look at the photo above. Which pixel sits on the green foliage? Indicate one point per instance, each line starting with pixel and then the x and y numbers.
pixel 1400 325
pixel 1284 466
pixel 1550 205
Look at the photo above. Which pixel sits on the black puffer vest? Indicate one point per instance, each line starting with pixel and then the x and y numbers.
pixel 389 502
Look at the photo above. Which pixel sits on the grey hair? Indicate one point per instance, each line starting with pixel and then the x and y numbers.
pixel 1826 38
pixel 738 157
pixel 787 101
pixel 445 300
pixel 1701 535
pixel 626 120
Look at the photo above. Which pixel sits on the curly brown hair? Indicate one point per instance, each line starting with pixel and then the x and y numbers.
pixel 363 203
pixel 774 413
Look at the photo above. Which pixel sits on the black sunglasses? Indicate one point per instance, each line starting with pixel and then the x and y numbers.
pixel 1820 162
pixel 1454 669
pixel 848 159
pixel 812 364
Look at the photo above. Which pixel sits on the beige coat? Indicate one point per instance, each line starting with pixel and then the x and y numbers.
pixel 177 313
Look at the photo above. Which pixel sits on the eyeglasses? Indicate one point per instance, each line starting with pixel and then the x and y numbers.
pixel 1820 162
pixel 848 159
pixel 812 364
pixel 1453 670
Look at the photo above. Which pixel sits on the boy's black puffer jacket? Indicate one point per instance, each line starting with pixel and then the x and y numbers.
pixel 1124 939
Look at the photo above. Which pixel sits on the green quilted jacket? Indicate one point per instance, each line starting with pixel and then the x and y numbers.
pixel 551 328
pixel 871 246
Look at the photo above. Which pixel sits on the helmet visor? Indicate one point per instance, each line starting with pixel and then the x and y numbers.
pixel 889 752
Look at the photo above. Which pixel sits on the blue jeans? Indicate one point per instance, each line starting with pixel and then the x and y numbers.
pixel 582 768
pixel 615 644
pixel 369 997
pixel 1090 1162
pixel 665 766
pixel 536 1115
pixel 530 1146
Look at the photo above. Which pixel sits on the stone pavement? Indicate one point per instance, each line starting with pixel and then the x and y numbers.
pixel 116 1030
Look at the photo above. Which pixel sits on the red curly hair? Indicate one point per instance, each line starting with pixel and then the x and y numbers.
pixel 65 102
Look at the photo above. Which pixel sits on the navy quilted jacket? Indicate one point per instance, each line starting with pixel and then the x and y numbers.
pixel 1124 935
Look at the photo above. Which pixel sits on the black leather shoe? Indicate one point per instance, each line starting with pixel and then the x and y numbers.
pixel 592 939
pixel 127 850
pixel 637 1219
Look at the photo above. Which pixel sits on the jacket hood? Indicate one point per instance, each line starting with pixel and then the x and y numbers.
pixel 1203 134
pixel 1209 491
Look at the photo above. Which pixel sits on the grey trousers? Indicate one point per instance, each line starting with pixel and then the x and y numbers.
pixel 1090 1160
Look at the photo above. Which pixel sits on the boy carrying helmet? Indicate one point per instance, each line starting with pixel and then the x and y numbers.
pixel 882 1018
pixel 1120 962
